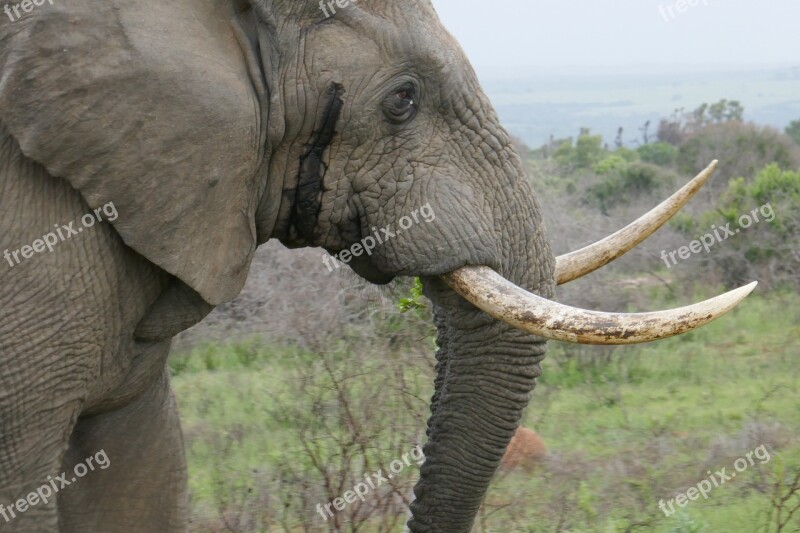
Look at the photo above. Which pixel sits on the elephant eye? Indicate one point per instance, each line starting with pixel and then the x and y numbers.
pixel 399 106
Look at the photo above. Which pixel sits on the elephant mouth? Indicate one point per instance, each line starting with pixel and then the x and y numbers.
pixel 365 268
pixel 505 301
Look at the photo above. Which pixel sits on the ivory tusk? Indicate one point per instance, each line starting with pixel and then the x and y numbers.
pixel 588 259
pixel 505 301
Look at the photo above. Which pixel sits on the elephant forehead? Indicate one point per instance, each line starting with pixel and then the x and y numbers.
pixel 395 33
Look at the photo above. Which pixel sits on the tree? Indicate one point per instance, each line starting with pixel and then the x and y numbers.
pixel 676 128
pixel 670 130
pixel 793 131
pixel 743 148
pixel 660 153
pixel 645 132
pixel 588 149
pixel 725 111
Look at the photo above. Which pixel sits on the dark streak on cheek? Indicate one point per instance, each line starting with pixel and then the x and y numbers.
pixel 308 194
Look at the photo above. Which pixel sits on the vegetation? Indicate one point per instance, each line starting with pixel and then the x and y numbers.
pixel 272 430
pixel 338 382
pixel 768 249
pixel 758 167
pixel 793 131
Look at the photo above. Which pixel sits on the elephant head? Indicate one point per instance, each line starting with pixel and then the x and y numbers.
pixel 215 126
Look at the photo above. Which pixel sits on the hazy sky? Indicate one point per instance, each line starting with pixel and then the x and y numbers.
pixel 623 32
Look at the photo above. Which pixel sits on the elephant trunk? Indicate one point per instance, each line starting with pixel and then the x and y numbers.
pixel 492 340
pixel 486 371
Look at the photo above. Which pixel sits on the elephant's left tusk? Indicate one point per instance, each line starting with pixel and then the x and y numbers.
pixel 492 293
pixel 580 262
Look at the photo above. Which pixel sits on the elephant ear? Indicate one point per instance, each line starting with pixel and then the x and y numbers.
pixel 149 105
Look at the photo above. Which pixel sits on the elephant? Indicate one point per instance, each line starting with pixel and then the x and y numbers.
pixel 208 128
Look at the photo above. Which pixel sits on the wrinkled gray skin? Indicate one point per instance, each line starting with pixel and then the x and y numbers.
pixel 193 117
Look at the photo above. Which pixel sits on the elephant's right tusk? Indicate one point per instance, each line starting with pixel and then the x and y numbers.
pixel 492 293
pixel 588 259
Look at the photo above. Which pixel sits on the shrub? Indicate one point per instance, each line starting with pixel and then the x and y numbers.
pixel 585 153
pixel 640 178
pixel 767 249
pixel 612 163
pixel 660 153
pixel 588 149
pixel 743 149
pixel 619 182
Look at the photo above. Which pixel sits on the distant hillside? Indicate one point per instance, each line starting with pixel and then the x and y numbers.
pixel 535 105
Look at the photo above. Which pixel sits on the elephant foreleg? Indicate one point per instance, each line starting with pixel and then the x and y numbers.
pixel 33 438
pixel 138 482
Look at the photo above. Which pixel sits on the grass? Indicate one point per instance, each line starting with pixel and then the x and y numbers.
pixel 625 428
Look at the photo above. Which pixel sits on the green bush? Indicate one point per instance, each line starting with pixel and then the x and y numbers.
pixel 660 153
pixel 610 164
pixel 631 156
pixel 618 182
pixel 586 152
pixel 780 189
pixel 564 152
pixel 642 178
pixel 588 149
pixel 764 248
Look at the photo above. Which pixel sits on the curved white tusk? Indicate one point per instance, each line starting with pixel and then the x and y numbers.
pixel 492 293
pixel 588 259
